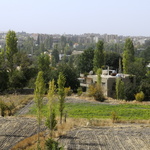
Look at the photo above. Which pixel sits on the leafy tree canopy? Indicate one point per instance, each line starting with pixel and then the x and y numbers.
pixel 85 62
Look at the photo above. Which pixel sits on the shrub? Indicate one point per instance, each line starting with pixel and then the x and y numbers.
pixel 97 92
pixel 10 106
pixel 68 91
pixel 139 96
pixel 114 117
pixel 79 91
pixel 130 90
pixel 145 87
pixel 52 145
pixel 3 108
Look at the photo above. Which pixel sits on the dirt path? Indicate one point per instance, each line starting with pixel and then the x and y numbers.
pixel 107 138
pixel 15 129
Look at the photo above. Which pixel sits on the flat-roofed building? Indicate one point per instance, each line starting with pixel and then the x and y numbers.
pixel 108 81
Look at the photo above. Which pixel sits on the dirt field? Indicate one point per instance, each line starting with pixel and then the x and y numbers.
pixel 108 138
pixel 15 129
pixel 116 137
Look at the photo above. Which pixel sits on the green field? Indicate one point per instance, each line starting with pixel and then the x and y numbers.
pixel 90 111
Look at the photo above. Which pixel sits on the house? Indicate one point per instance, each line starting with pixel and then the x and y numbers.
pixel 108 81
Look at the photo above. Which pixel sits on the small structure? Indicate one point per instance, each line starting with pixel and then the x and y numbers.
pixel 108 81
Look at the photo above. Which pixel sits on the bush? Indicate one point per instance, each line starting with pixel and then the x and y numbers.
pixel 52 145
pixel 129 91
pixel 68 91
pixel 3 108
pixel 114 117
pixel 119 89
pixel 139 96
pixel 145 87
pixel 97 92
pixel 79 91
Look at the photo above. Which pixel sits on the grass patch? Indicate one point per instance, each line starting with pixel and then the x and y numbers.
pixel 124 111
pixel 103 111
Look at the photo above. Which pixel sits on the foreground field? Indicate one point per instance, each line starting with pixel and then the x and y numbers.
pixel 108 138
pixel 15 129
pixel 94 132
pixel 113 137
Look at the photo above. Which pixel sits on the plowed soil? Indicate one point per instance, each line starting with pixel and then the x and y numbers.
pixel 117 137
pixel 108 138
pixel 15 129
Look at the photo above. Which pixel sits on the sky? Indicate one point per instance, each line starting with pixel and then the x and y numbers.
pixel 121 17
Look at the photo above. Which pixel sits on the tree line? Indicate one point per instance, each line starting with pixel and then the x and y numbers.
pixel 18 70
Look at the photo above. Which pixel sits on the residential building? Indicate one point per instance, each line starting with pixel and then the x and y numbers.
pixel 108 81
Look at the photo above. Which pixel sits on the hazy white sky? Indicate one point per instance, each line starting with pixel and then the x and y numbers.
pixel 122 17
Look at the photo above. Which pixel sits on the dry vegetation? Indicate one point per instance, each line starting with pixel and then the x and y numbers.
pixel 62 129
pixel 18 101
pixel 29 143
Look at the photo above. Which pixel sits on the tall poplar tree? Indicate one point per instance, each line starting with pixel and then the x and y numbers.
pixel 51 120
pixel 61 93
pixel 99 72
pixel 128 55
pixel 55 53
pixel 38 97
pixel 119 89
pixel 11 49
pixel 98 60
pixel 130 48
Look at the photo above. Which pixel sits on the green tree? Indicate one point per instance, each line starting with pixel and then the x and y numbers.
pixel 44 66
pixel 28 46
pixel 11 55
pixel 98 60
pixel 2 59
pixel 138 68
pixel 119 89
pixel 17 79
pixel 146 54
pixel 99 72
pixel 85 61
pixel 125 62
pixel 3 80
pixel 38 98
pixel 63 41
pixel 70 76
pixel 130 48
pixel 48 42
pixel 128 55
pixel 51 120
pixel 11 50
pixel 112 59
pixel 3 72
pixel 55 54
pixel 42 48
pixel 43 62
pixel 61 94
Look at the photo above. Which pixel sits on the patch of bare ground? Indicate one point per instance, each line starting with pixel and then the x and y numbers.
pixel 108 100
pixel 15 129
pixel 124 137
pixel 76 134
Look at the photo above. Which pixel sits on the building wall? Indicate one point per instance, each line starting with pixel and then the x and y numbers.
pixel 108 82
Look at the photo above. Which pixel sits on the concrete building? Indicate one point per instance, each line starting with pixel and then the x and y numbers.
pixel 108 81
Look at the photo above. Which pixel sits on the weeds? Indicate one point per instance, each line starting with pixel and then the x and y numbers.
pixel 114 117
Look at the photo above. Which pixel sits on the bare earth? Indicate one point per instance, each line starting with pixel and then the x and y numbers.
pixel 107 138
pixel 117 137
pixel 15 129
